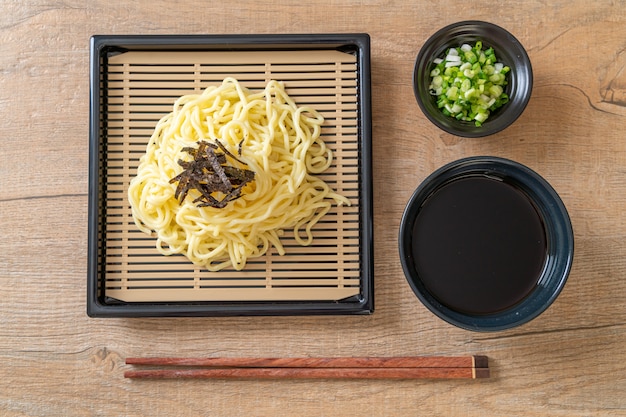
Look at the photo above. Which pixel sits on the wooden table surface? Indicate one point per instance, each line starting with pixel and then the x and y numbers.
pixel 571 361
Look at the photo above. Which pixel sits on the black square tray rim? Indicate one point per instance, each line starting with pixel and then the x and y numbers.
pixel 102 45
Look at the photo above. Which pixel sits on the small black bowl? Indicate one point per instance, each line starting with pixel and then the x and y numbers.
pixel 486 243
pixel 508 50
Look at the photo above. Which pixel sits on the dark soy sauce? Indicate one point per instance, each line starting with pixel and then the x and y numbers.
pixel 479 245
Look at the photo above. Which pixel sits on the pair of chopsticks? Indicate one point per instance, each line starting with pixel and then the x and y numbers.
pixel 414 367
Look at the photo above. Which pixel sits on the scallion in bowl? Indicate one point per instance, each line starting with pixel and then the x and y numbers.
pixel 469 82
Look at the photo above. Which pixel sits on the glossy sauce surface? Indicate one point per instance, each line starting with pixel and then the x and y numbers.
pixel 479 245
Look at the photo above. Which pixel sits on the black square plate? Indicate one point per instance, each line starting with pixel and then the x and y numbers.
pixel 134 80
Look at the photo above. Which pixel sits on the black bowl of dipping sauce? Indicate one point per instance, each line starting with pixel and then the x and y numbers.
pixel 486 243
pixel 509 51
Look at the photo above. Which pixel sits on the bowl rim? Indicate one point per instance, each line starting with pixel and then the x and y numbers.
pixel 559 233
pixel 520 79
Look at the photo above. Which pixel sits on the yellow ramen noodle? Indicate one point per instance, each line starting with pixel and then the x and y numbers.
pixel 281 144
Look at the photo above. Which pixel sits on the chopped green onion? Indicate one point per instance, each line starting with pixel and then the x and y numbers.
pixel 469 83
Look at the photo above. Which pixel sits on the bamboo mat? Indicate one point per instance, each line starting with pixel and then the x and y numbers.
pixel 140 87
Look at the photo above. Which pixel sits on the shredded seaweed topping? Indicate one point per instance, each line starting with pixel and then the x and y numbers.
pixel 212 174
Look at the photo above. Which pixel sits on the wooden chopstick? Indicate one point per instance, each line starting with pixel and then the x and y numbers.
pixel 311 373
pixel 339 362
pixel 421 367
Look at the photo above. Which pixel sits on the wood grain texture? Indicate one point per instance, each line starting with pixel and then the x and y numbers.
pixel 570 361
